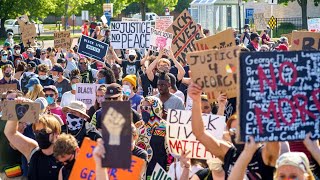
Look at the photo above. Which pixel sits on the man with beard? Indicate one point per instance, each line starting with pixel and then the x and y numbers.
pixel 88 75
pixel 264 160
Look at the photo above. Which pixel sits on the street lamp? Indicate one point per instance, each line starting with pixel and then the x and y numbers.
pixel 239 14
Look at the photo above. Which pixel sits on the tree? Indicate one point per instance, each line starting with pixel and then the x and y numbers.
pixel 34 9
pixel 303 4
pixel 182 5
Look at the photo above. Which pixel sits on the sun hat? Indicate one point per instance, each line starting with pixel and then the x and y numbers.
pixel 76 106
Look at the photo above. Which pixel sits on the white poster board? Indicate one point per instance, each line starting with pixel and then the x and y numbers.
pixel 160 174
pixel 163 22
pixel 160 40
pixel 314 25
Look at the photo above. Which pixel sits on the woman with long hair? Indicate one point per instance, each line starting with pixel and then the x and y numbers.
pixel 35 89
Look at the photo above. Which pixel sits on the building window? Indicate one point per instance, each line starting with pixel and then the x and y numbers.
pixel 229 16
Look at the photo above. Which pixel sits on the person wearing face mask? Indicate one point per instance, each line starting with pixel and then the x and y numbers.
pixel 130 65
pixel 152 131
pixel 8 71
pixel 4 58
pixel 69 96
pixel 105 76
pixel 245 37
pixel 51 95
pixel 129 86
pixel 254 42
pixel 101 91
pixel 31 57
pixel 10 38
pixel 16 58
pixel 43 58
pixel 38 152
pixel 35 89
pixel 77 124
pixel 264 159
pixel 88 75
pixel 71 63
pixel 43 77
pixel 63 84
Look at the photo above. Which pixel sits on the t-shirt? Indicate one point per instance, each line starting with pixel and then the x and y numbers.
pixel 35 60
pixel 256 169
pixel 175 170
pixel 231 107
pixel 266 37
pixel 62 87
pixel 140 153
pixel 58 111
pixel 67 98
pixel 46 82
pixel 135 101
pixel 130 67
pixel 146 85
pixel 174 102
pixel 47 62
pixel 5 63
pixel 180 95
pixel 204 174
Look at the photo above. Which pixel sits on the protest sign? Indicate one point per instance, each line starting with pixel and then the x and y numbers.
pixel 160 40
pixel 305 41
pixel 163 22
pixel 180 137
pixel 259 21
pixel 129 35
pixel 116 133
pixel 160 174
pixel 86 93
pixel 279 95
pixel 185 31
pixel 22 20
pixel 22 112
pixel 314 25
pixel 6 87
pixel 130 19
pixel 85 167
pixel 62 39
pixel 215 71
pixel 28 34
pixel 220 40
pixel 92 48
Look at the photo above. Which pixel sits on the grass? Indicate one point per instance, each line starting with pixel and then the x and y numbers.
pixel 54 27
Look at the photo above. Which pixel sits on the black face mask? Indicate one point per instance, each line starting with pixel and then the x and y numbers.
pixel 7 74
pixel 43 139
pixel 239 147
pixel 69 164
pixel 132 57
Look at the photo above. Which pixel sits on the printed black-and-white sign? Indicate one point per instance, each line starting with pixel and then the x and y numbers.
pixel 130 35
pixel 279 95
pixel 92 48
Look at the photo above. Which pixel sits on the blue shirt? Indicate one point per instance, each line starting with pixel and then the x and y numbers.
pixel 135 101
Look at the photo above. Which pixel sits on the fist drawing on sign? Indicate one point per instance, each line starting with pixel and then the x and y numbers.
pixel 114 123
pixel 161 42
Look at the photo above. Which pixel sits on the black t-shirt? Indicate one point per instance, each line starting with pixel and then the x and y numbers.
pixel 146 85
pixel 42 167
pixel 46 82
pixel 256 169
pixel 140 153
pixel 204 174
pixel 5 63
pixel 35 60
pixel 15 58
pixel 231 107
pixel 130 67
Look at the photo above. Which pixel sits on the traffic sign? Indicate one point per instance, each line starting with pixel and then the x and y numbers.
pixel 273 2
pixel 272 22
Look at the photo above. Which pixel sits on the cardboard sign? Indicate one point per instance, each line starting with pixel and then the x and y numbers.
pixel 163 22
pixel 116 133
pixel 223 39
pixel 160 40
pixel 85 167
pixel 130 35
pixel 279 95
pixel 307 41
pixel 160 174
pixel 62 39
pixel 314 25
pixel 28 34
pixel 215 71
pixel 259 21
pixel 185 31
pixel 6 87
pixel 130 19
pixel 22 20
pixel 86 93
pixel 180 137
pixel 22 112
pixel 92 48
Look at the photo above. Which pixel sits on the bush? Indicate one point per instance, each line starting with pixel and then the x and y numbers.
pixel 284 28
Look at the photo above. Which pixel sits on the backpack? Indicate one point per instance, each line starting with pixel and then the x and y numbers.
pixel 24 81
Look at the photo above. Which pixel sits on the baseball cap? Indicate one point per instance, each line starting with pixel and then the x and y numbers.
pixel 7 44
pixel 113 90
pixel 57 67
pixel 3 52
pixel 297 159
pixel 61 60
pixel 50 87
pixel 254 35
pixel 283 39
pixel 32 81
pixel 32 64
pixel 30 50
pixel 42 101
pixel 132 52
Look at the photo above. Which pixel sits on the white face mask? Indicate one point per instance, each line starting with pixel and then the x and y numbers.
pixel 18 51
pixel 55 78
pixel 43 77
pixel 126 90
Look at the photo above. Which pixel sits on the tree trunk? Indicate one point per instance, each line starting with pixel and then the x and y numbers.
pixel 304 14
pixel 143 9
pixel 3 32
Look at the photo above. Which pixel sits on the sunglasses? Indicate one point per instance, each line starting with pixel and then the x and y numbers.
pixel 112 99
pixel 47 95
pixel 83 63
pixel 43 53
pixel 145 108
pixel 206 107
pixel 41 131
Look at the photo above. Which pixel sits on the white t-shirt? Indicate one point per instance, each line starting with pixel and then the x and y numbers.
pixel 175 170
pixel 67 97
pixel 47 62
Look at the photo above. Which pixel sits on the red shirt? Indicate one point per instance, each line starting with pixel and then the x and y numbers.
pixel 85 30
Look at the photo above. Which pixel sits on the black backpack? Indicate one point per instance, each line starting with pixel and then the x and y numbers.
pixel 24 81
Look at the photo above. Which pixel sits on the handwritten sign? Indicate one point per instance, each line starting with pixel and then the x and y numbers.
pixel 305 41
pixel 279 95
pixel 85 167
pixel 129 35
pixel 86 93
pixel 180 137
pixel 160 174
pixel 92 48
pixel 185 32
pixel 221 40
pixel 160 40
pixel 28 34
pixel 163 22
pixel 314 25
pixel 259 21
pixel 22 112
pixel 130 19
pixel 22 20
pixel 215 71
pixel 6 87
pixel 62 39
pixel 116 133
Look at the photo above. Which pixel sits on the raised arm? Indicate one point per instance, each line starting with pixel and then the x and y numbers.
pixel 115 56
pixel 98 154
pixel 215 147
pixel 146 55
pixel 181 71
pixel 222 101
pixel 153 65
pixel 313 147
pixel 22 143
